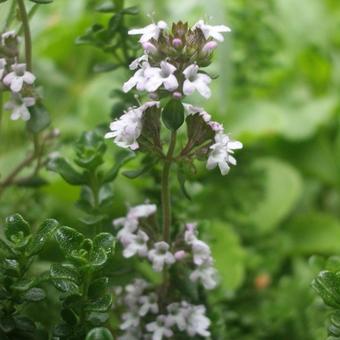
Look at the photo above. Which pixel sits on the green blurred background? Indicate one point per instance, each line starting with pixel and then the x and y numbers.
pixel 277 91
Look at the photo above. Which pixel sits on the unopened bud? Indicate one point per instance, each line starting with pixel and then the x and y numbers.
pixel 209 46
pixel 180 255
pixel 149 47
pixel 177 43
pixel 177 95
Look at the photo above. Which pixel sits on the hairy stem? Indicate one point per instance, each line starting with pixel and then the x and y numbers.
pixel 27 34
pixel 166 203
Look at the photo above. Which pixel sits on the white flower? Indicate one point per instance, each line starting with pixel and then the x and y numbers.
pixel 131 319
pixel 197 322
pixel 160 255
pixel 206 274
pixel 142 211
pixel 137 244
pixel 19 106
pixel 7 35
pixel 201 252
pixel 160 328
pixel 16 79
pixel 127 232
pixel 149 32
pixel 177 315
pixel 164 75
pixel 220 153
pixel 127 129
pixel 3 63
pixel 212 31
pixel 148 303
pixel 138 62
pixel 138 79
pixel 196 81
pixel 190 234
pixel 134 291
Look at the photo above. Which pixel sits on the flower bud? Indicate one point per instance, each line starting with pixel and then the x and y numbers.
pixel 177 43
pixel 180 255
pixel 149 48
pixel 209 46
pixel 177 95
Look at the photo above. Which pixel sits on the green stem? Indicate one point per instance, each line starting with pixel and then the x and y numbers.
pixel 1 109
pixel 166 199
pixel 27 34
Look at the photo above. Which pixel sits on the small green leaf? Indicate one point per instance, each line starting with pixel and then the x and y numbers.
pixel 34 295
pixel 131 10
pixel 173 114
pixel 40 118
pixel 39 239
pixel 24 323
pixel 327 285
pixel 42 2
pixel 149 164
pixel 105 241
pixel 121 159
pixel 98 257
pixel 98 287
pixel 99 333
pixel 66 171
pixel 64 278
pixel 97 318
pixel 69 239
pixel 101 304
pixel 62 330
pixel 23 285
pixel 6 250
pixel 16 228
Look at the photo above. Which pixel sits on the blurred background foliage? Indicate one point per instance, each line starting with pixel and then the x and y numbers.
pixel 277 91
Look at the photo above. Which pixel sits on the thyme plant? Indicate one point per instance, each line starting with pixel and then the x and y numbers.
pixel 170 69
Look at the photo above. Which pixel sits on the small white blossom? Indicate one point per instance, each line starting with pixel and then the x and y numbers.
pixel 138 62
pixel 212 31
pixel 3 63
pixel 149 48
pixel 177 315
pixel 137 244
pixel 7 35
pixel 139 79
pixel 196 81
pixel 142 211
pixel 149 32
pixel 197 322
pixel 148 304
pixel 164 75
pixel 19 106
pixel 127 232
pixel 160 256
pixel 220 153
pixel 160 328
pixel 127 129
pixel 131 319
pixel 16 79
pixel 190 234
pixel 206 274
pixel 201 252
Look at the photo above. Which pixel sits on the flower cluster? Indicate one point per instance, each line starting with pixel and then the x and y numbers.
pixel 143 318
pixel 187 250
pixel 15 77
pixel 172 66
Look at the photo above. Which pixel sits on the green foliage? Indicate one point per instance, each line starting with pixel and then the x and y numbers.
pixel 83 282
pixel 18 287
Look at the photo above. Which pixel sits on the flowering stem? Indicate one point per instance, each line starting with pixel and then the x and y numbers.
pixel 166 204
pixel 27 34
